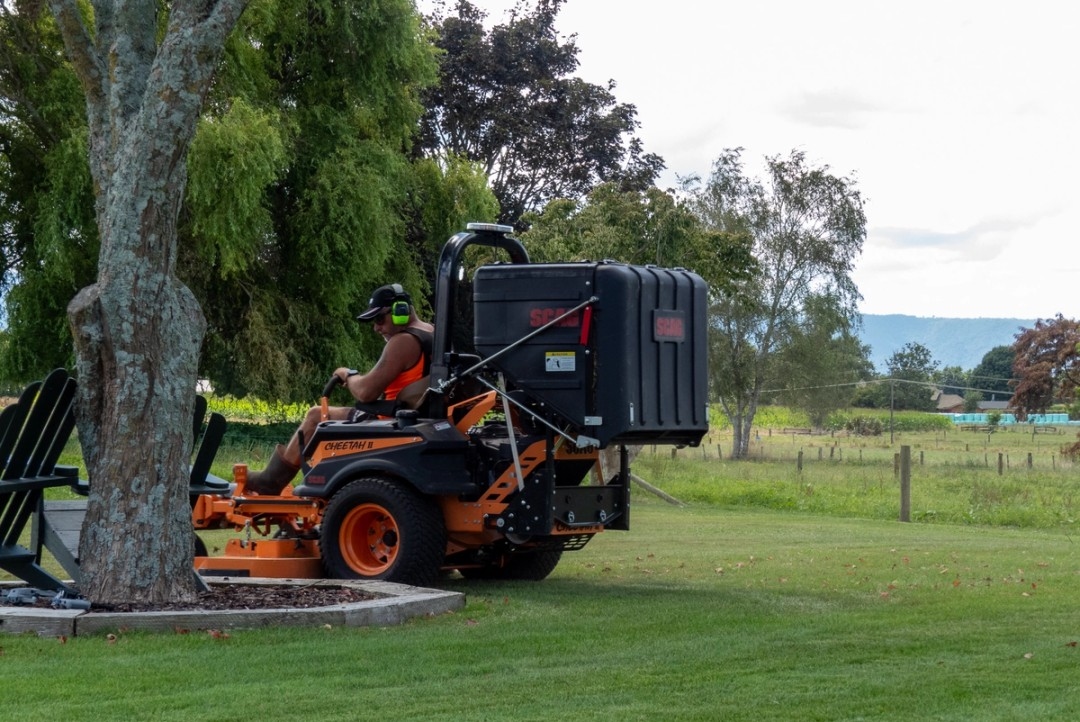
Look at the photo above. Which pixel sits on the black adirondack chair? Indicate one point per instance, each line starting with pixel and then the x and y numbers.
pixel 33 432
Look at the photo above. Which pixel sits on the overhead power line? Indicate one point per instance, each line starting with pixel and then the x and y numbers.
pixel 928 384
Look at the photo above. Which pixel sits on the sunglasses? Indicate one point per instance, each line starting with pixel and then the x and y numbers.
pixel 379 319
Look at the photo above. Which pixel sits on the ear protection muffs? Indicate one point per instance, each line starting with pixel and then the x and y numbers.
pixel 399 309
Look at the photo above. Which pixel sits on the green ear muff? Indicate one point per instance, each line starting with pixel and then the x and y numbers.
pixel 399 313
pixel 399 309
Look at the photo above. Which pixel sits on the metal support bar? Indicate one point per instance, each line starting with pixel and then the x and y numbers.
pixel 483 362
pixel 581 442
pixel 513 436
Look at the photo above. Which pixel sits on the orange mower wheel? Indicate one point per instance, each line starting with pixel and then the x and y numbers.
pixel 376 528
pixel 369 539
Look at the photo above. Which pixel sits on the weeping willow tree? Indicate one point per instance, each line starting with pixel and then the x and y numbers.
pixel 303 192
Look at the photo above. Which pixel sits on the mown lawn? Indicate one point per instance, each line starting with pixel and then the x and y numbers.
pixel 704 612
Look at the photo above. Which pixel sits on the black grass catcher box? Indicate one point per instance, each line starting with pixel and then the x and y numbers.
pixel 618 351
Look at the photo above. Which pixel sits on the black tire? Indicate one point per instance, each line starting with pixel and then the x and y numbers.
pixel 522 566
pixel 200 546
pixel 377 529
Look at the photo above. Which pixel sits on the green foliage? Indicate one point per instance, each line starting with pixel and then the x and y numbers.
pixel 642 227
pixel 993 373
pixel 864 426
pixel 445 196
pixel 785 417
pixel 780 417
pixel 718 420
pixel 822 361
pixel 48 248
pixel 257 411
pixel 302 191
pixel 952 380
pixel 244 152
pixel 506 100
pixel 911 371
pixel 906 421
pixel 767 417
pixel 805 228
pixel 313 116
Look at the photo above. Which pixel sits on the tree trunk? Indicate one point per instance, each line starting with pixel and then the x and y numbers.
pixel 136 365
pixel 138 330
pixel 740 428
pixel 137 336
pixel 609 463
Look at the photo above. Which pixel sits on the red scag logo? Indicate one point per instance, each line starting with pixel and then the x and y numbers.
pixel 669 326
pixel 541 316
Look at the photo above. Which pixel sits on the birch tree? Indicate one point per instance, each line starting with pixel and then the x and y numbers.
pixel 806 227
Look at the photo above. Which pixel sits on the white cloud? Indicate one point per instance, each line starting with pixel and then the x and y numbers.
pixel 958 120
pixel 828 109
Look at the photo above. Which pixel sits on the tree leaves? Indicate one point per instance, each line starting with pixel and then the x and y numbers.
pixel 244 151
pixel 1046 364
pixel 506 100
pixel 805 228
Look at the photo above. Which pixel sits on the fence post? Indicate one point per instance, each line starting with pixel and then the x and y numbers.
pixel 1029 460
pixel 798 464
pixel 905 483
pixel 1001 463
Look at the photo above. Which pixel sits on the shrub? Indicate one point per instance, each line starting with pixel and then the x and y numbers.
pixel 864 426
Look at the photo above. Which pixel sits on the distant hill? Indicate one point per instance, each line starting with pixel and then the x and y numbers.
pixel 953 341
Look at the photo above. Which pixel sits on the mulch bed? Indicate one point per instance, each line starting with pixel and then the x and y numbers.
pixel 233 597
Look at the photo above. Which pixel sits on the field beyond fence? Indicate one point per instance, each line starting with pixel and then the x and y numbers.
pixel 1010 477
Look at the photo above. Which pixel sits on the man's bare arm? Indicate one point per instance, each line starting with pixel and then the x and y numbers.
pixel 400 354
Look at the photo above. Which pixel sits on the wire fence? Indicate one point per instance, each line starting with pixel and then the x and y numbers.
pixel 1000 451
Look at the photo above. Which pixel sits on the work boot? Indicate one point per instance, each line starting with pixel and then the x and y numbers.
pixel 275 477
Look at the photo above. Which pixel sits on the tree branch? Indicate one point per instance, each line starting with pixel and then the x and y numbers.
pixel 88 65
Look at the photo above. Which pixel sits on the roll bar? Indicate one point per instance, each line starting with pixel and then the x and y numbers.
pixel 446 280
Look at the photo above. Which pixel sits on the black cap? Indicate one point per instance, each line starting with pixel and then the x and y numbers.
pixel 383 297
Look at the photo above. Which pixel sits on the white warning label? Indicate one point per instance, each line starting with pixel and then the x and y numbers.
pixel 557 361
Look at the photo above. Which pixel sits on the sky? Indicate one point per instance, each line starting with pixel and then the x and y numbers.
pixel 958 120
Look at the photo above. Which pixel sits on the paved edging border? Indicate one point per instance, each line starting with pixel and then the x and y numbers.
pixel 394 604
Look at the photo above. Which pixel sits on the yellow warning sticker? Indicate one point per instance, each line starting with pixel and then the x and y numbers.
pixel 560 361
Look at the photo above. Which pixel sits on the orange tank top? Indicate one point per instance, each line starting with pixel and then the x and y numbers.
pixel 404 379
pixel 417 371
